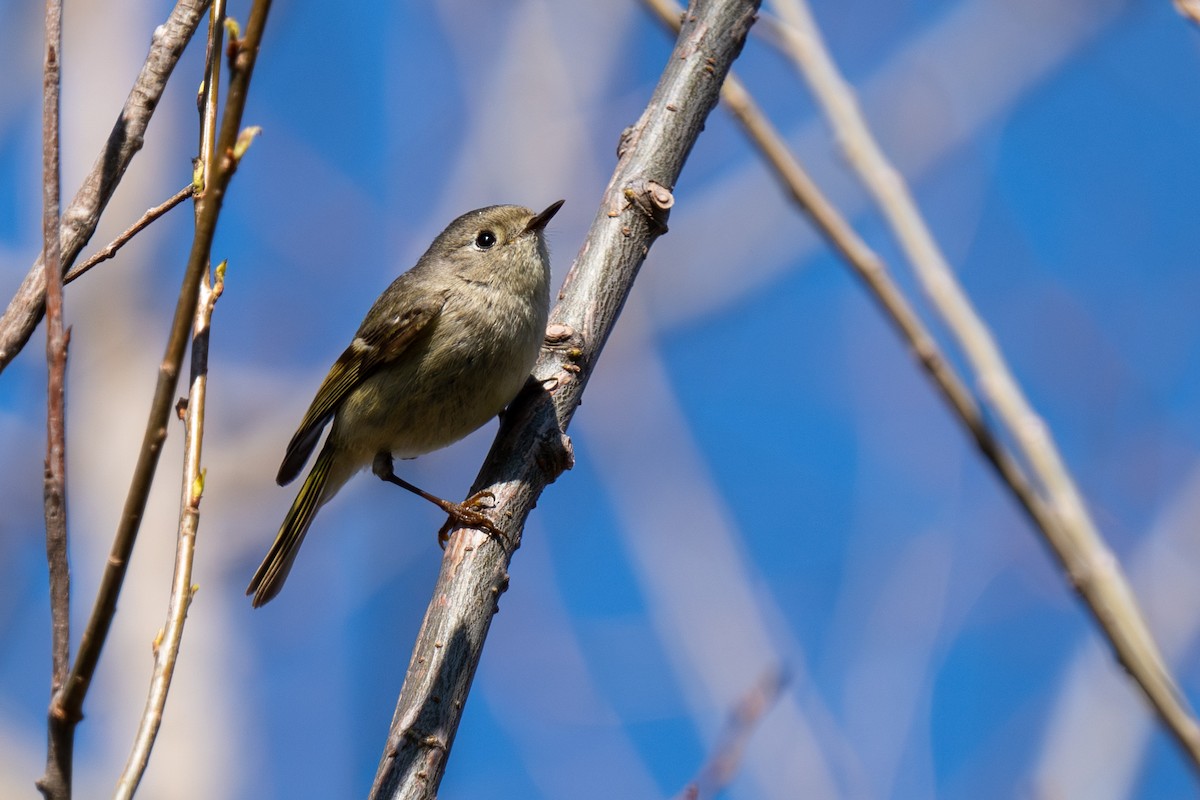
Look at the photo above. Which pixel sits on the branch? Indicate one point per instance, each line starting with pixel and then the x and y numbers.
pixel 244 52
pixel 532 449
pixel 116 244
pixel 874 273
pixel 82 215
pixel 1189 9
pixel 56 782
pixel 722 765
pixel 1090 565
pixel 166 651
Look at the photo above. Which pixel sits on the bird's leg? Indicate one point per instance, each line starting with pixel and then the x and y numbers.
pixel 460 513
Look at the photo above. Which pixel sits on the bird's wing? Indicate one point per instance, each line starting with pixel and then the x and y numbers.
pixel 379 342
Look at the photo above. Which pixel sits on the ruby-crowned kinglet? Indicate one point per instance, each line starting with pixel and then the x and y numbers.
pixel 444 349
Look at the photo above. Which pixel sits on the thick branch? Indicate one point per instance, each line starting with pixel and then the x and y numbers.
pixel 70 699
pixel 56 783
pixel 531 449
pixel 83 214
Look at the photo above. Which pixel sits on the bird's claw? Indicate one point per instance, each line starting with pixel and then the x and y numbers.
pixel 465 515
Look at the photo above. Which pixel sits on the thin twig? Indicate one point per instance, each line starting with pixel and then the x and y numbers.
pixel 56 782
pixel 166 653
pixel 116 244
pixel 532 448
pixel 726 757
pixel 166 650
pixel 244 53
pixel 1090 565
pixel 207 100
pixel 83 214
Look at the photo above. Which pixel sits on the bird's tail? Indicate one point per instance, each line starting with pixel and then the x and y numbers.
pixel 273 571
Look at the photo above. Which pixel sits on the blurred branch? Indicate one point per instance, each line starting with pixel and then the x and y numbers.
pixel 243 54
pixel 166 651
pixel 873 272
pixel 1090 566
pixel 116 244
pixel 722 765
pixel 56 782
pixel 531 448
pixel 83 214
pixel 1189 9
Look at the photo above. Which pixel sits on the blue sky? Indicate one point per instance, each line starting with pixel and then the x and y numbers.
pixel 763 477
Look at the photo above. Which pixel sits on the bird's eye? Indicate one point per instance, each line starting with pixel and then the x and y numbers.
pixel 485 240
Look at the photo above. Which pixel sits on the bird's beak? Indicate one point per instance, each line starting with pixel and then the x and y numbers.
pixel 539 222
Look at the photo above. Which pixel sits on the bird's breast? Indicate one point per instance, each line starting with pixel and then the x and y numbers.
pixel 453 379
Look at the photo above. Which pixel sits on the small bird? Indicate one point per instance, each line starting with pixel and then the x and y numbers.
pixel 443 350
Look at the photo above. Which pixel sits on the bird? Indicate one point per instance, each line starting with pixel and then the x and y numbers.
pixel 444 349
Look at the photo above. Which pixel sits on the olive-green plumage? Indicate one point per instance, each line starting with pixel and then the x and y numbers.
pixel 443 350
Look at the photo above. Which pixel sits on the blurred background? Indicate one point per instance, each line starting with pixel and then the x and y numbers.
pixel 764 480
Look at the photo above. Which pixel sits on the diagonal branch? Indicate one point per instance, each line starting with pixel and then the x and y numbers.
pixel 1090 565
pixel 142 223
pixel 1189 9
pixel 873 272
pixel 531 449
pixel 722 764
pixel 83 214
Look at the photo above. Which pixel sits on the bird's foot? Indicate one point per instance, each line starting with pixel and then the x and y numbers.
pixel 466 515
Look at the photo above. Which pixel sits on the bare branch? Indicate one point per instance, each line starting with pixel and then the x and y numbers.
pixel 1189 9
pixel 116 244
pixel 722 765
pixel 1090 565
pixel 532 449
pixel 56 782
pixel 244 52
pixel 56 348
pixel 873 272
pixel 83 214
pixel 166 653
